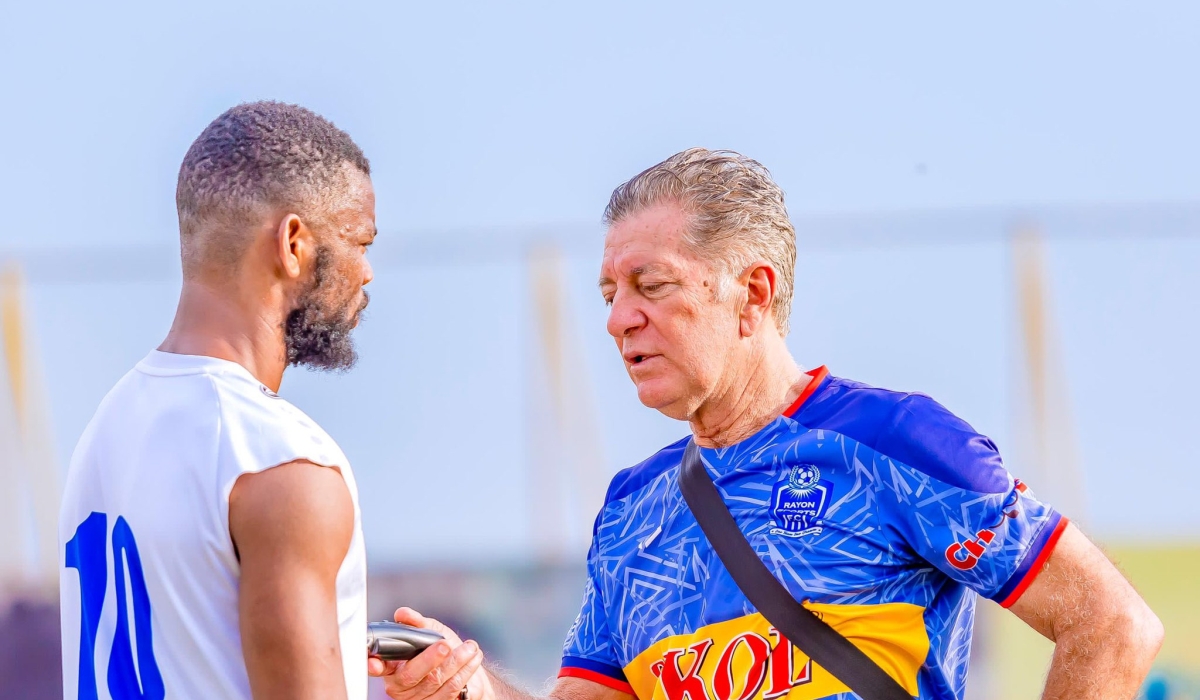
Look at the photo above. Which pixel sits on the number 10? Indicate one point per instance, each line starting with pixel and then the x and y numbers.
pixel 86 553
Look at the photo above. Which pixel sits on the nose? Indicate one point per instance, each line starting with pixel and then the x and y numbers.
pixel 368 272
pixel 624 316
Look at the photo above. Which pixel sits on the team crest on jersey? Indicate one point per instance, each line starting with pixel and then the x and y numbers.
pixel 798 502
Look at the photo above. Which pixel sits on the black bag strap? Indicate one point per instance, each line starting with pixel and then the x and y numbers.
pixel 812 635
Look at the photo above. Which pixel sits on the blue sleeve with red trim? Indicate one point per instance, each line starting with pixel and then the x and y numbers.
pixel 950 500
pixel 589 652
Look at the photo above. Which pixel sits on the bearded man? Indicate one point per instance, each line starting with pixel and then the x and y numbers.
pixel 211 534
pixel 884 513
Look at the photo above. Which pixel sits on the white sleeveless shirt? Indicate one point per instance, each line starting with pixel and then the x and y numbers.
pixel 149 584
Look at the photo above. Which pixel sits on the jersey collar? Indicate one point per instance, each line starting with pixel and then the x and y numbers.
pixel 819 375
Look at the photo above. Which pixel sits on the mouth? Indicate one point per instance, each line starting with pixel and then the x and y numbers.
pixel 635 359
pixel 361 308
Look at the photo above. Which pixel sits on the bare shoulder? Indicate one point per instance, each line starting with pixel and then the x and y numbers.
pixel 292 526
pixel 295 505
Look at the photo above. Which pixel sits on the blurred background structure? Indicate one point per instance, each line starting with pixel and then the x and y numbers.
pixel 997 206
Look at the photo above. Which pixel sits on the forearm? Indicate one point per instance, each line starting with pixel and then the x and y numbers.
pixel 564 689
pixel 506 690
pixel 1104 661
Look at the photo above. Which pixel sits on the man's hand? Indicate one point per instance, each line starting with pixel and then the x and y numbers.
pixel 291 526
pixel 1105 636
pixel 438 673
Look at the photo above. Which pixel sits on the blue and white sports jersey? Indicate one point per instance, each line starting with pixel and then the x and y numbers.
pixel 150 579
pixel 880 511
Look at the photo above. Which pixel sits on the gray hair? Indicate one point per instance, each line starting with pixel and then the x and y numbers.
pixel 255 157
pixel 735 214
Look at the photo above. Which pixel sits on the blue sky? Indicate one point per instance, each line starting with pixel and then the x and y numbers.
pixel 488 125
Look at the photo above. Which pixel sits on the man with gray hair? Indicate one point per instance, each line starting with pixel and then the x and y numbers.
pixel 882 512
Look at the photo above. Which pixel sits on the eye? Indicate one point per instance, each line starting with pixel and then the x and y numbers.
pixel 652 288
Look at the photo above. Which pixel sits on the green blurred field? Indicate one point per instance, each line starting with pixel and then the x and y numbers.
pixel 1167 577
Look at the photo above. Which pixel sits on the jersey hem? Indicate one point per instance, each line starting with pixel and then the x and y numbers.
pixel 595 677
pixel 1035 568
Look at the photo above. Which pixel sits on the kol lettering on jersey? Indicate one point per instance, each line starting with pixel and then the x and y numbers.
pixel 746 658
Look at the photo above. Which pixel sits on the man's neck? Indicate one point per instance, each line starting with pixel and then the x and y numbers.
pixel 769 382
pixel 211 322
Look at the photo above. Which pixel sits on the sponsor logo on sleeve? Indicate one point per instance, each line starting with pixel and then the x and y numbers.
pixel 965 556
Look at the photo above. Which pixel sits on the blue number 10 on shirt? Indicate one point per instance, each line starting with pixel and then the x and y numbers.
pixel 86 552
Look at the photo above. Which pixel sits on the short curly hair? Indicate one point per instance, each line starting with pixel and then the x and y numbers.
pixel 261 155
pixel 735 213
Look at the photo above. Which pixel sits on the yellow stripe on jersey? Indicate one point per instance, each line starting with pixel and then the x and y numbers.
pixel 747 659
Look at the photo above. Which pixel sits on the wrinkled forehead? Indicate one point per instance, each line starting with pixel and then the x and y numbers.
pixel 649 239
pixel 636 257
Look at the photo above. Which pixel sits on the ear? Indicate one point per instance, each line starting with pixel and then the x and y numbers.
pixel 294 244
pixel 759 280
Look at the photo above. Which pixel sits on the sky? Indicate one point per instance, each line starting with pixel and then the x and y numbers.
pixel 934 126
